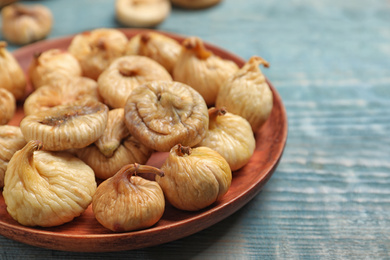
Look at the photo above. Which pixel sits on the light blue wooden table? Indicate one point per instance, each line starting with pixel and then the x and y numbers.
pixel 330 61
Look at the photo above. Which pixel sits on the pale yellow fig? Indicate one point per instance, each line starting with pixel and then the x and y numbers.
pixel 126 202
pixel 162 114
pixel 194 178
pixel 96 49
pixel 201 69
pixel 46 188
pixel 23 24
pixel 53 67
pixel 231 136
pixel 142 13
pixel 195 4
pixel 67 126
pixel 126 73
pixel 248 94
pixel 7 106
pixel 12 77
pixel 70 91
pixel 114 149
pixel 156 46
pixel 11 140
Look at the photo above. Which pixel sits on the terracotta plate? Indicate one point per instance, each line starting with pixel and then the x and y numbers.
pixel 85 234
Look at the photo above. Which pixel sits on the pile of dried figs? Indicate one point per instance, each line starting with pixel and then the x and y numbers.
pixel 102 107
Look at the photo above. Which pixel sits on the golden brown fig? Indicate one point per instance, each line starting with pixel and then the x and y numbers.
pixel 114 149
pixel 142 13
pixel 201 69
pixel 66 126
pixel 12 77
pixel 126 73
pixel 194 178
pixel 7 106
pixel 95 50
pixel 11 140
pixel 248 94
pixel 70 91
pixel 231 136
pixel 126 202
pixel 195 4
pixel 156 46
pixel 162 114
pixel 53 67
pixel 45 188
pixel 24 24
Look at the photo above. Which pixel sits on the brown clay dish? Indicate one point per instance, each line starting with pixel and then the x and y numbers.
pixel 85 234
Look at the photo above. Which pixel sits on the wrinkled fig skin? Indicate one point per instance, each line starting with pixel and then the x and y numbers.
pixel 95 50
pixel 163 114
pixel 45 188
pixel 23 24
pixel 11 140
pixel 248 94
pixel 12 77
pixel 201 69
pixel 114 133
pixel 194 178
pixel 126 202
pixel 126 73
pixel 115 148
pixel 67 126
pixel 7 106
pixel 231 136
pixel 53 67
pixel 70 91
pixel 156 46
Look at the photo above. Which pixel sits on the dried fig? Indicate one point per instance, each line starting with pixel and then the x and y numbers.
pixel 194 178
pixel 95 50
pixel 231 136
pixel 66 126
pixel 24 24
pixel 11 140
pixel 70 91
pixel 126 202
pixel 124 74
pixel 7 106
pixel 156 46
pixel 248 94
pixel 201 69
pixel 46 188
pixel 12 77
pixel 115 148
pixel 53 67
pixel 162 114
pixel 142 13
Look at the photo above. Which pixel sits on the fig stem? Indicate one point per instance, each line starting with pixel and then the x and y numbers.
pixel 196 45
pixel 32 146
pixel 132 169
pixel 145 37
pixel 256 60
pixel 183 150
pixel 27 158
pixel 214 112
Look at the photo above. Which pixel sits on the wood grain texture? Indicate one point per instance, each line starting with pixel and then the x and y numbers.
pixel 330 196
